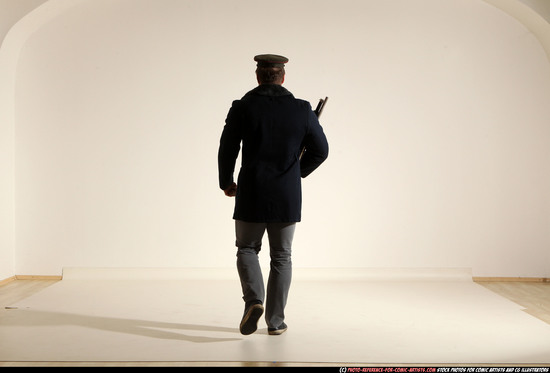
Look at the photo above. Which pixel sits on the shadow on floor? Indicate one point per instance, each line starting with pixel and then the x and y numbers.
pixel 144 328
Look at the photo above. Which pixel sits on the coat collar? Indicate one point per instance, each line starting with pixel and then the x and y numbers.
pixel 269 90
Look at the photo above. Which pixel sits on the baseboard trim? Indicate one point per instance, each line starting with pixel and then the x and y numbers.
pixel 37 277
pixel 475 279
pixel 7 280
pixel 29 277
pixel 511 279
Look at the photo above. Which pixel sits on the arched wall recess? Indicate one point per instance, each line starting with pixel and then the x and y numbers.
pixel 536 23
pixel 27 36
pixel 10 49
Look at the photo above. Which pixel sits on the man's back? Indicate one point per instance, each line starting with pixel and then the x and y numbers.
pixel 273 126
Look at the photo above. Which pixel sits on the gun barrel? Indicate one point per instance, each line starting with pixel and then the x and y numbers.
pixel 320 106
pixel 318 111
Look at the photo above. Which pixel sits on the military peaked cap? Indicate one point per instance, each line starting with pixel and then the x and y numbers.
pixel 270 60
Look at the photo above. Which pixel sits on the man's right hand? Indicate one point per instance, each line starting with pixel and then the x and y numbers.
pixel 231 191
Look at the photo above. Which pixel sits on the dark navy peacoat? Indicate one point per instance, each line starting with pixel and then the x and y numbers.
pixel 272 126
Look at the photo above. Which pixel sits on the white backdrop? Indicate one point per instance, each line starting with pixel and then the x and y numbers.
pixel 437 121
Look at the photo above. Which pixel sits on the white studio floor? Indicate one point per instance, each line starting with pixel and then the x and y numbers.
pixel 363 317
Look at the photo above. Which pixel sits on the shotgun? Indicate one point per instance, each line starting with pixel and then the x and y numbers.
pixel 320 107
pixel 318 111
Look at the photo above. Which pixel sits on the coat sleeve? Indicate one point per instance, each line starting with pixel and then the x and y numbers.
pixel 316 145
pixel 230 145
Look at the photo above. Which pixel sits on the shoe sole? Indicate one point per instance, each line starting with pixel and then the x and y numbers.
pixel 277 332
pixel 249 323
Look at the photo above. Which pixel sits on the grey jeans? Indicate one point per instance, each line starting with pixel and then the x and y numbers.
pixel 249 243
